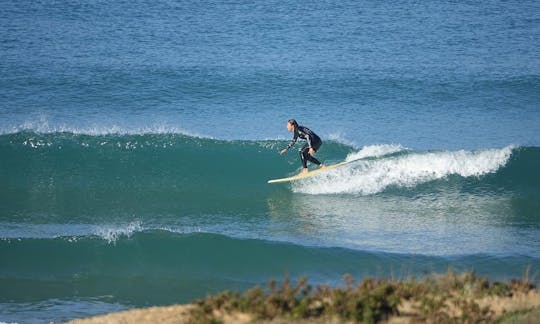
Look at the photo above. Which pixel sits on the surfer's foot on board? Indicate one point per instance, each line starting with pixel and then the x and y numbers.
pixel 322 166
pixel 304 171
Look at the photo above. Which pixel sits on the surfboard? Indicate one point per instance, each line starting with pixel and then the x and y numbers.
pixel 309 174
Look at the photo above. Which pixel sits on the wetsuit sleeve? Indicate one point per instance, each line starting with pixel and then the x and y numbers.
pixel 291 143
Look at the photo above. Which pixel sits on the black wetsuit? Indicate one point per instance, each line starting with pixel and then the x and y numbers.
pixel 313 141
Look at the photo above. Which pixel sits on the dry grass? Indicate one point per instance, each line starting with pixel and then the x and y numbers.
pixel 447 298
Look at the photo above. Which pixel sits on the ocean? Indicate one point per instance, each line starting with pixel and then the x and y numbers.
pixel 137 138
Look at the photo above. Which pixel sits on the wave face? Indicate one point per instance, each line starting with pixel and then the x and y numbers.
pixel 75 174
pixel 59 168
pixel 78 175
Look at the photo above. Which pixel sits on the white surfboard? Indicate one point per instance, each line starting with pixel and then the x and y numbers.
pixel 309 174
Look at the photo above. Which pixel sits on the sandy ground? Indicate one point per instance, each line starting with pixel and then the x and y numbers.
pixel 165 314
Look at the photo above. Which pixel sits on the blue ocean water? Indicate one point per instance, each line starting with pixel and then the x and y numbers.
pixel 136 139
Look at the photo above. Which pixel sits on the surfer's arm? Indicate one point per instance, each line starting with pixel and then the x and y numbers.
pixel 291 143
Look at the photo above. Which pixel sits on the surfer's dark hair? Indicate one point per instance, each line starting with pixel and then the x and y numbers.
pixel 292 122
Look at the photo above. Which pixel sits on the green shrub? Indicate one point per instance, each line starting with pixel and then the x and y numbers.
pixel 369 301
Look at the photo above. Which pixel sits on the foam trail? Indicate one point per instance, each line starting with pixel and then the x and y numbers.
pixel 373 176
pixel 374 151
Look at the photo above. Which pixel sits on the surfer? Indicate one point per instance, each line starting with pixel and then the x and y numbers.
pixel 308 151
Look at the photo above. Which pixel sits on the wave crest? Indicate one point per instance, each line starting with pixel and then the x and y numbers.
pixel 372 151
pixel 42 125
pixel 408 170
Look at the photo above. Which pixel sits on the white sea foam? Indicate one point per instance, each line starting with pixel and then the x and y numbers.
pixel 75 232
pixel 340 138
pixel 374 151
pixel 113 233
pixel 375 175
pixel 42 125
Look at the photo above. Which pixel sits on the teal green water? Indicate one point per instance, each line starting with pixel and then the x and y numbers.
pixel 182 216
pixel 120 221
pixel 160 267
pixel 68 177
pixel 65 177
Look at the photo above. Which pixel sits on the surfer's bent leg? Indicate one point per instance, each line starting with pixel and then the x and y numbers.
pixel 313 160
pixel 305 156
pixel 316 147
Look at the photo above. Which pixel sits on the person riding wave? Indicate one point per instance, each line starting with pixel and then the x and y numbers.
pixel 308 151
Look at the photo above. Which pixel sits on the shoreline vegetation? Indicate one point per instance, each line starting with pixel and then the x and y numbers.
pixel 434 298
